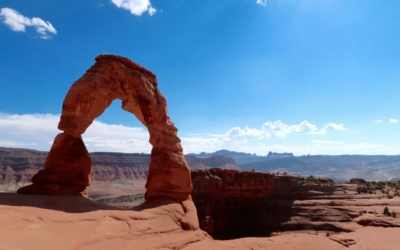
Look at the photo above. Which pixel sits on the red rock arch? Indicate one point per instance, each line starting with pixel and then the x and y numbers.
pixel 68 166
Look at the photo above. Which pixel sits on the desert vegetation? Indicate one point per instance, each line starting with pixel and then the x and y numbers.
pixel 390 188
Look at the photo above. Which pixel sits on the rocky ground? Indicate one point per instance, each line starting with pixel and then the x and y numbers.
pixel 49 222
pixel 351 216
pixel 306 213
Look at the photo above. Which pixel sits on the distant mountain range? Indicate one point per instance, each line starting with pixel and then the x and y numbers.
pixel 339 168
pixel 17 166
pixel 243 158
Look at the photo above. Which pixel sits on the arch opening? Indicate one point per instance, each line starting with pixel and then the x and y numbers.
pixel 116 130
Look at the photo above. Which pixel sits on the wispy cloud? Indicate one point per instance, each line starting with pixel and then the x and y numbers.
pixel 262 2
pixel 136 7
pixel 280 129
pixel 377 121
pixel 18 23
pixel 251 139
pixel 393 120
pixel 332 127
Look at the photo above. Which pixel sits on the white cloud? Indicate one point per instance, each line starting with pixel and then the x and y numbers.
pixel 280 129
pixel 250 139
pixel 393 120
pixel 117 138
pixel 262 2
pixel 37 130
pixel 18 23
pixel 377 121
pixel 246 131
pixel 136 7
pixel 332 127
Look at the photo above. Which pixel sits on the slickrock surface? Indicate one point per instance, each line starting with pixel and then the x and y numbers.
pixel 70 222
pixel 68 166
pixel 76 223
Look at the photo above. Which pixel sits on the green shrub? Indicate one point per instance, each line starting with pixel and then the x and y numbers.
pixel 386 211
pixel 362 212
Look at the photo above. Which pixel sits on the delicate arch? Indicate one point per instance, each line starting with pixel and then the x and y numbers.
pixel 68 166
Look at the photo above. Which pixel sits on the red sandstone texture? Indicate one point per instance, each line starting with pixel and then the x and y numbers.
pixel 68 166
pixel 232 204
pixel 66 223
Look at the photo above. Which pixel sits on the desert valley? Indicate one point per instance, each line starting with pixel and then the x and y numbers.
pixel 237 207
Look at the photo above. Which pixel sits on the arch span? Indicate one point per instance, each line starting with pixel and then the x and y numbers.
pixel 68 165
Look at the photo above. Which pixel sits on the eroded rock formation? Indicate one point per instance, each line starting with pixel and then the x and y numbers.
pixel 358 181
pixel 233 204
pixel 67 169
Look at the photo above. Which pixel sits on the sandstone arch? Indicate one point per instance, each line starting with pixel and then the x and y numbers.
pixel 68 166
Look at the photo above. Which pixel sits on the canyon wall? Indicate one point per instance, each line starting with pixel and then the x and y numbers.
pixel 232 204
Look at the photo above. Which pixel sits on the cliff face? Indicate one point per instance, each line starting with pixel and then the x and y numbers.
pixel 233 204
pixel 119 167
pixel 17 166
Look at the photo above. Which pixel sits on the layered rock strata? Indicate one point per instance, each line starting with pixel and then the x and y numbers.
pixel 233 204
pixel 67 169
pixel 17 166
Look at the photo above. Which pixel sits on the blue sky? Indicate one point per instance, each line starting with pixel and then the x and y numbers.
pixel 301 76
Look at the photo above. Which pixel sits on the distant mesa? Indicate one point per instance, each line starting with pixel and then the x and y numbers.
pixel 214 161
pixel 272 154
pixel 68 166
